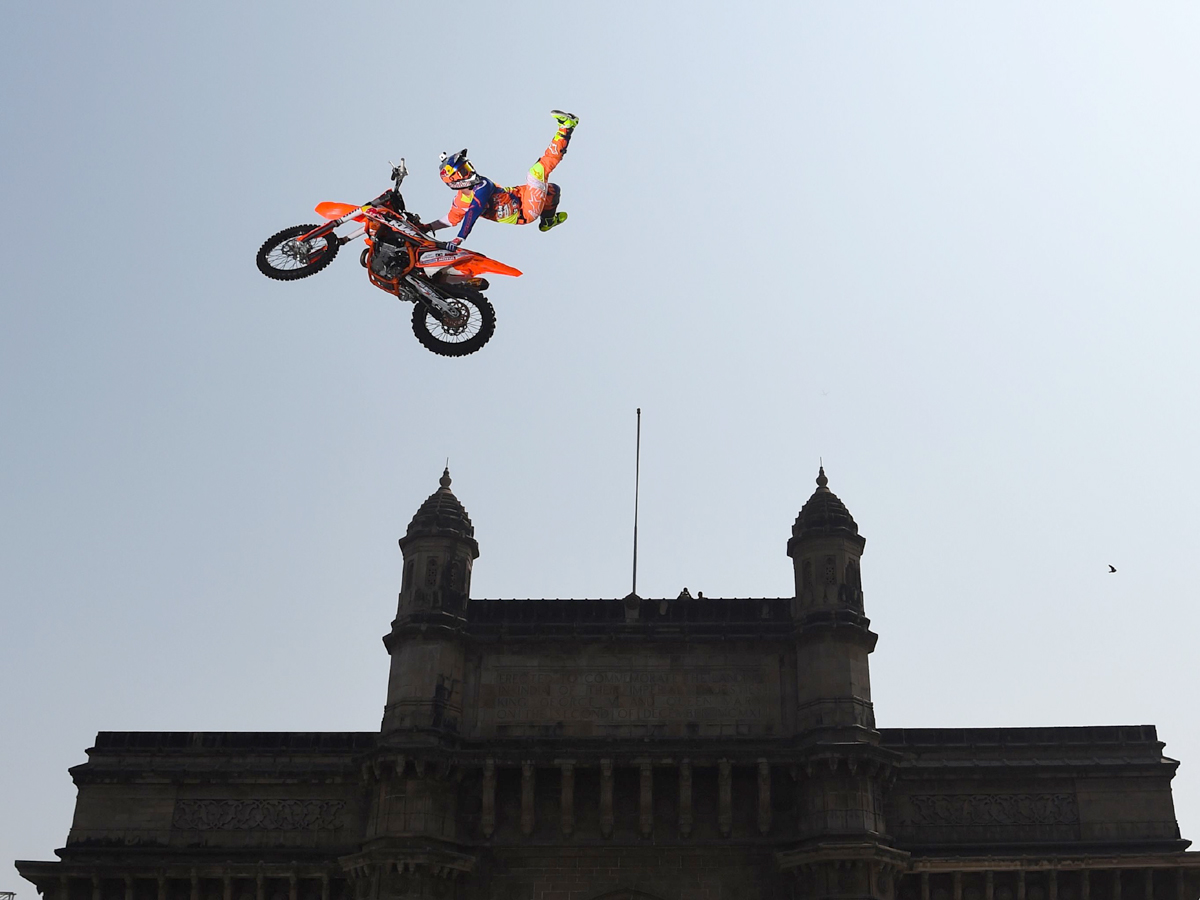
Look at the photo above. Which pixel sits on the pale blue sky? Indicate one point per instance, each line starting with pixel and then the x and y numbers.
pixel 949 248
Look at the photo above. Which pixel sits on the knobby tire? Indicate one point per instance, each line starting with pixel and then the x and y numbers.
pixel 273 260
pixel 480 327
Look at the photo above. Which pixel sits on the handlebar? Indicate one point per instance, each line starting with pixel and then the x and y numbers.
pixel 398 171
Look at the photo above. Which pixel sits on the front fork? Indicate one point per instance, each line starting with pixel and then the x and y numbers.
pixel 430 297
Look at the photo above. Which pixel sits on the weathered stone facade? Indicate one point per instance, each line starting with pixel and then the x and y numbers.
pixel 685 749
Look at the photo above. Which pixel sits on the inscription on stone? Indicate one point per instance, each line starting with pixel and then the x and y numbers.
pixel 258 815
pixel 613 696
pixel 993 809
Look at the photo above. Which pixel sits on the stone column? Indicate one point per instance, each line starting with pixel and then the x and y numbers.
pixel 646 799
pixel 196 885
pixel 488 820
pixel 226 887
pixel 527 775
pixel 96 894
pixel 1180 885
pixel 924 886
pixel 162 887
pixel 568 796
pixel 685 798
pixel 324 886
pixel 1148 891
pixel 129 888
pixel 1021 885
pixel 293 886
pixel 764 797
pixel 957 882
pixel 1054 884
pixel 1116 891
pixel 606 791
pixel 989 886
pixel 260 888
pixel 725 797
pixel 1085 885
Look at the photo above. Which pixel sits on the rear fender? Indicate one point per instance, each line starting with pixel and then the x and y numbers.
pixel 478 264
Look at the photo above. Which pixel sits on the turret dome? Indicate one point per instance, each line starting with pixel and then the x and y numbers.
pixel 441 515
pixel 823 514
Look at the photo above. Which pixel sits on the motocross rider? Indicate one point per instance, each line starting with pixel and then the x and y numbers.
pixel 479 196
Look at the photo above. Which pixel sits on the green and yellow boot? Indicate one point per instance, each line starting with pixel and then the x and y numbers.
pixel 565 120
pixel 549 222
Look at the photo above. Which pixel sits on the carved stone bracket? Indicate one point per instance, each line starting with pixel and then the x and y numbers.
pixel 399 873
pixel 834 869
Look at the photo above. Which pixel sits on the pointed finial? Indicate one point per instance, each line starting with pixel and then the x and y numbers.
pixel 822 481
pixel 444 481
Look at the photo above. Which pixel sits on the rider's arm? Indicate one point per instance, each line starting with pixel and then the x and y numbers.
pixel 483 193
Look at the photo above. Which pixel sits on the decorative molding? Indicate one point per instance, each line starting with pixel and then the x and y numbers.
pixel 991 809
pixel 258 815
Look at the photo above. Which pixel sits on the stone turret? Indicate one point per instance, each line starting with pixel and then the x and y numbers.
pixel 425 643
pixel 410 847
pixel 843 851
pixel 834 636
pixel 825 549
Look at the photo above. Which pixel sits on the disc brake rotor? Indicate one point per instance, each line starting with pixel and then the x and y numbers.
pixel 297 250
pixel 455 319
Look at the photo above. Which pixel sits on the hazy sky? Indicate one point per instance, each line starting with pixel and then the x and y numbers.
pixel 950 248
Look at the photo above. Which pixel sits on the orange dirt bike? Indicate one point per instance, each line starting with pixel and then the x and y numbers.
pixel 451 316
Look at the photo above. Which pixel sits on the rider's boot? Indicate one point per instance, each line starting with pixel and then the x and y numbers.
pixel 550 221
pixel 566 121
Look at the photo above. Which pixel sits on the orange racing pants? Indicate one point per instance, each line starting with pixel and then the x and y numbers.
pixel 538 196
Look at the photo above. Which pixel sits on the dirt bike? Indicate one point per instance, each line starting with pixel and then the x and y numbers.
pixel 451 316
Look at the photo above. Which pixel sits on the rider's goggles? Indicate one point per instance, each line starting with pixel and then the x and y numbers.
pixel 461 172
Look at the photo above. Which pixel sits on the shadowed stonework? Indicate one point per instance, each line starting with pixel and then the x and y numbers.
pixel 627 749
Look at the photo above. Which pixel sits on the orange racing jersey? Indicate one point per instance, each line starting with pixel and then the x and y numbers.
pixel 487 200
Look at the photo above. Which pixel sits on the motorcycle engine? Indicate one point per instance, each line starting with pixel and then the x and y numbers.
pixel 389 259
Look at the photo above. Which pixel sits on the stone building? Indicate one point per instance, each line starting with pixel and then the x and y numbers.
pixel 680 749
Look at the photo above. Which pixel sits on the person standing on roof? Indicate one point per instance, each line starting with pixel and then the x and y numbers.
pixel 478 196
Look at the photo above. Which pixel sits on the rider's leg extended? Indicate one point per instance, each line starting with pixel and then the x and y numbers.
pixel 534 193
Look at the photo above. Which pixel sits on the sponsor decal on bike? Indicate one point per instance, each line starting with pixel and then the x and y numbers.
pixel 440 257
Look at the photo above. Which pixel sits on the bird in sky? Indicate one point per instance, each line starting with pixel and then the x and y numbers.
pixel 1111 569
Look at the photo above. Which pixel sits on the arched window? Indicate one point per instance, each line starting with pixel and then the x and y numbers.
pixel 456 574
pixel 431 572
pixel 830 570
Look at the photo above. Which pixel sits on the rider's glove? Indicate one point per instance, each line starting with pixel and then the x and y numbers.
pixel 452 245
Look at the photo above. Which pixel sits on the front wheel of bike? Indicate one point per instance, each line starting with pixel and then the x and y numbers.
pixel 285 258
pixel 468 325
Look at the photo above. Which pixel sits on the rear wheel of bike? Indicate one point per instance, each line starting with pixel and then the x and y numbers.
pixel 469 325
pixel 285 258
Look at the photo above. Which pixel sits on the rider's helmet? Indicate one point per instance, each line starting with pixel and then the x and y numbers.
pixel 458 172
